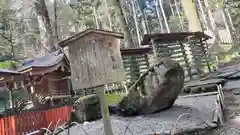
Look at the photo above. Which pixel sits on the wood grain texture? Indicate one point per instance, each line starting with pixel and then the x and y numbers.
pixel 95 60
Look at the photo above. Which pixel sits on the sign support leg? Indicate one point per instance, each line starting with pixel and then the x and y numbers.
pixel 10 99
pixel 105 111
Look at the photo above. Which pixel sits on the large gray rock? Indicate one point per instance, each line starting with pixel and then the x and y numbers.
pixel 87 108
pixel 155 90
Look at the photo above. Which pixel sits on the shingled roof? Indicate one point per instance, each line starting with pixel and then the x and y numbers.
pixel 9 72
pixel 64 43
pixel 9 75
pixel 173 37
pixel 48 60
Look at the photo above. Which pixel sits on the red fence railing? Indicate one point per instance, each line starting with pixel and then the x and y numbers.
pixel 27 122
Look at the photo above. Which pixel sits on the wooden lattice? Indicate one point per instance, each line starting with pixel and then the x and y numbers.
pixel 186 48
pixel 135 62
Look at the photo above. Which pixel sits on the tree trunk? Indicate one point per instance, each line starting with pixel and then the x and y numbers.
pixel 44 26
pixel 190 11
pixel 159 17
pixel 227 25
pixel 12 47
pixel 144 28
pixel 55 20
pixel 143 19
pixel 164 15
pixel 135 21
pixel 179 16
pixel 146 22
pixel 171 7
pixel 210 16
pixel 230 19
pixel 203 14
pixel 127 35
pixel 108 15
pixel 31 41
pixel 212 27
pixel 96 18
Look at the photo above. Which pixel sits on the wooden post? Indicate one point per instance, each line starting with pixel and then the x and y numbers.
pixel 33 97
pixel 186 60
pixel 32 89
pixel 125 87
pixel 155 53
pixel 220 94
pixel 10 99
pixel 221 90
pixel 219 108
pixel 105 111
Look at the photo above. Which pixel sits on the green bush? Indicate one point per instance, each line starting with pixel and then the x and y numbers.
pixel 7 64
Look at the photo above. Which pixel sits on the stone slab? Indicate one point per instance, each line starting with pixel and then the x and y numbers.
pixel 228 71
pixel 204 82
pixel 233 84
pixel 235 76
pixel 227 74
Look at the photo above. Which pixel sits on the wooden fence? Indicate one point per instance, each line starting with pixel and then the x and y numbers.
pixel 27 122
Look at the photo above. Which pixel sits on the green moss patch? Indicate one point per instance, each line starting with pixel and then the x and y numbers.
pixel 114 98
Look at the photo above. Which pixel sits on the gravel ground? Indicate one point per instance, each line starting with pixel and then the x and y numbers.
pixel 198 107
pixel 227 130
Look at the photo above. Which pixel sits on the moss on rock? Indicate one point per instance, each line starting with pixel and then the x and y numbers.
pixel 87 108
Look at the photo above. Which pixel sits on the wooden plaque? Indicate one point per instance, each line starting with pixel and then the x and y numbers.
pixel 95 60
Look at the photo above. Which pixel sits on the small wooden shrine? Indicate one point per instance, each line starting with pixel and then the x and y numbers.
pixel 136 61
pixel 48 79
pixel 10 81
pixel 95 58
pixel 188 48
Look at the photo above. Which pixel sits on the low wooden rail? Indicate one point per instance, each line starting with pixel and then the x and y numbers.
pixel 27 122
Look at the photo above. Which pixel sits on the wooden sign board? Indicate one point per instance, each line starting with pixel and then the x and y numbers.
pixel 95 60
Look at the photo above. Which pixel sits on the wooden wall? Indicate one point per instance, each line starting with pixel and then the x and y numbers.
pixel 48 87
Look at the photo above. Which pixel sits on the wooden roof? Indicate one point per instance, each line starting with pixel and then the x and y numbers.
pixel 9 72
pixel 173 37
pixel 65 42
pixel 44 64
pixel 9 75
pixel 136 51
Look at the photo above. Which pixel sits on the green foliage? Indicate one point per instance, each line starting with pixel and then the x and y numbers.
pixel 112 98
pixel 84 12
pixel 212 66
pixel 225 56
pixel 174 24
pixel 7 64
pixel 234 9
pixel 10 25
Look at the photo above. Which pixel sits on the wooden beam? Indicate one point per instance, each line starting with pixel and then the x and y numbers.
pixel 198 95
pixel 40 70
pixel 61 96
pixel 105 112
pixel 57 74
